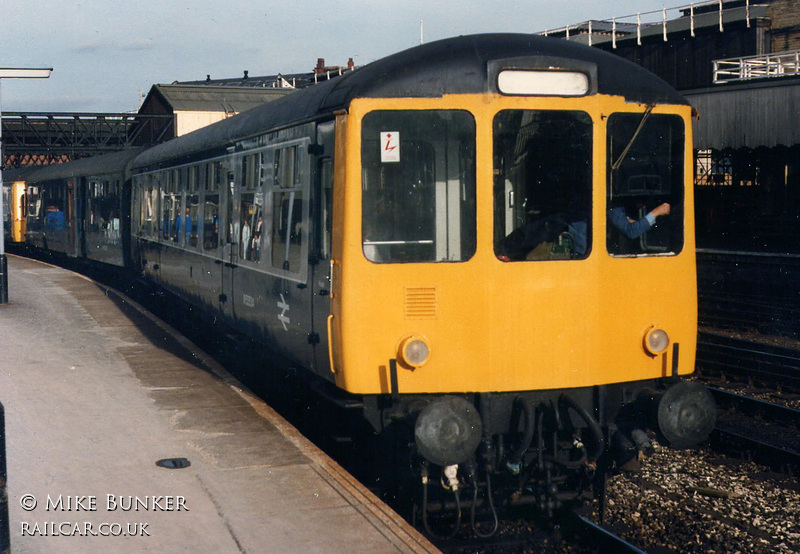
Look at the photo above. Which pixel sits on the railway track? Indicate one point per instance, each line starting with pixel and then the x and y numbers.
pixel 757 430
pixel 572 533
pixel 723 355
pixel 749 291
pixel 601 539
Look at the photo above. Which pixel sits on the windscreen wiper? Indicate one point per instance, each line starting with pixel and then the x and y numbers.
pixel 647 112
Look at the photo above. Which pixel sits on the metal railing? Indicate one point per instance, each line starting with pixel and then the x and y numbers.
pixel 685 17
pixel 780 64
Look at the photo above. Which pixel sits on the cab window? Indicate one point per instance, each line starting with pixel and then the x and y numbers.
pixel 418 186
pixel 542 185
pixel 645 184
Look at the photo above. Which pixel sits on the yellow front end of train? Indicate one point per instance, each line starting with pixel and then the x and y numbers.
pixel 478 245
pixel 17 211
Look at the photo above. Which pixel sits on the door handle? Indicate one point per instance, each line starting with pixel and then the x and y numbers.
pixel 330 343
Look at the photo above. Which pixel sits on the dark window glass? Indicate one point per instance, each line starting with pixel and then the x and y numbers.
pixel 418 186
pixel 327 208
pixel 251 213
pixel 287 229
pixel 211 222
pixel 645 174
pixel 543 185
pixel 192 219
pixel 170 216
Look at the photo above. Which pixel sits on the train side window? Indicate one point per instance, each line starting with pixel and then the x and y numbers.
pixel 232 233
pixel 169 216
pixel 211 185
pixel 543 185
pixel 326 226
pixel 211 222
pixel 148 214
pixel 251 208
pixel 287 206
pixel 34 202
pixel 34 209
pixel 287 229
pixel 645 154
pixel 114 212
pixel 192 219
pixel 251 212
pixel 94 218
pixel 418 186
pixel 286 167
pixel 104 209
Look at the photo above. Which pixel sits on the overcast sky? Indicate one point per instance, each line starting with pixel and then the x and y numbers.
pixel 106 53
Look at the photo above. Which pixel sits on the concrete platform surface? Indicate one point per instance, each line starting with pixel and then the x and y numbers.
pixel 96 391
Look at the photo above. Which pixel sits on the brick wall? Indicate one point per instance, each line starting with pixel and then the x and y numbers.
pixel 785 28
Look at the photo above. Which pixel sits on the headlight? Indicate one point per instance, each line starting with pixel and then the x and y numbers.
pixel 414 352
pixel 656 341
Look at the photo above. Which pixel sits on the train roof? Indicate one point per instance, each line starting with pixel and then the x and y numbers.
pixel 461 65
pixel 17 173
pixel 105 164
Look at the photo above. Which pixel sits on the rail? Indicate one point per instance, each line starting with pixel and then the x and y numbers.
pixel 749 291
pixel 720 354
pixel 762 431
pixel 601 538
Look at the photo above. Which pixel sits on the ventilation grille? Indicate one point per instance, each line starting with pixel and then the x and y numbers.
pixel 420 303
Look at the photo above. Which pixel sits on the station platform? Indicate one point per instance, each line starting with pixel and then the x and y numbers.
pixel 97 391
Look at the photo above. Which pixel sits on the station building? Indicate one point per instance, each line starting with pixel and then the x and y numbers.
pixel 195 104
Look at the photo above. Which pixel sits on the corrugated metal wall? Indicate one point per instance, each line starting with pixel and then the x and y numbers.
pixel 753 115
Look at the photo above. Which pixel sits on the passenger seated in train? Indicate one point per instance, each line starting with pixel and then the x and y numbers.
pixel 54 219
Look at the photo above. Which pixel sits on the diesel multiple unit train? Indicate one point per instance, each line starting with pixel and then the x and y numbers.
pixel 487 240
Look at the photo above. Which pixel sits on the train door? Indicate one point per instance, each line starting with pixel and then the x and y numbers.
pixel 229 251
pixel 320 260
pixel 207 279
pixel 287 251
pixel 249 302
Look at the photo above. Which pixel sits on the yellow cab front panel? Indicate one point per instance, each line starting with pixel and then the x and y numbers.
pixel 474 244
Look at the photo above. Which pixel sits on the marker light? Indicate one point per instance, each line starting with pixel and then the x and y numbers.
pixel 414 352
pixel 656 341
